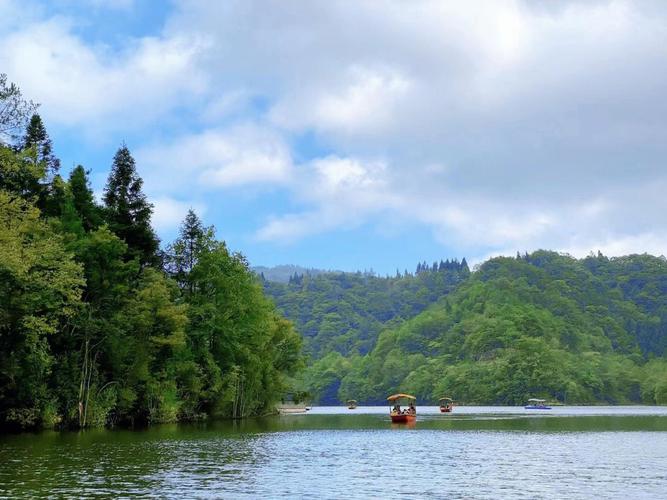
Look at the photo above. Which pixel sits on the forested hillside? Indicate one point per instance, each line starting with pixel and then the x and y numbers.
pixel 345 312
pixel 98 325
pixel 538 325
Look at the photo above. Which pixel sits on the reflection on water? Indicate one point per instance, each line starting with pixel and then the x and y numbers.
pixel 334 452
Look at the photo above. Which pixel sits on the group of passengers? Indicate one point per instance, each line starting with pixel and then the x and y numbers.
pixel 410 410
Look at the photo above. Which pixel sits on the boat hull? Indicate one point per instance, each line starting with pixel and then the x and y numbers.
pixel 445 410
pixel 403 419
pixel 537 407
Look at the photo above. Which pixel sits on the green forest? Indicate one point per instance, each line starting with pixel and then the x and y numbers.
pixel 536 325
pixel 100 324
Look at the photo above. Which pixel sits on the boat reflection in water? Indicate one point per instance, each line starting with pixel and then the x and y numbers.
pixel 406 415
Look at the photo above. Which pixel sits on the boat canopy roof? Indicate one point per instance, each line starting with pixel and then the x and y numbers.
pixel 394 397
pixel 351 400
pixel 445 399
pixel 534 400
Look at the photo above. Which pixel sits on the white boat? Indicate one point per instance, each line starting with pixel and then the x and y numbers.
pixel 537 404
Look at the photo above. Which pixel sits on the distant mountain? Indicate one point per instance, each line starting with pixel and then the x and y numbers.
pixel 283 273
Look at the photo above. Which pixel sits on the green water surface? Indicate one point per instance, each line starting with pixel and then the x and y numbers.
pixel 606 452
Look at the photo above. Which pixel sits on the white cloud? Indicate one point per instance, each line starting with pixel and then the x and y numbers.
pixel 339 193
pixel 168 213
pixel 501 125
pixel 94 87
pixel 244 154
pixel 365 101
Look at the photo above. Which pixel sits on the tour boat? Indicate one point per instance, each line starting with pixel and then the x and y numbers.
pixel 351 404
pixel 537 404
pixel 405 416
pixel 446 405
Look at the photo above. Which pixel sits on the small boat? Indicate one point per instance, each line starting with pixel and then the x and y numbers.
pixel 292 410
pixel 402 416
pixel 446 405
pixel 537 404
pixel 351 404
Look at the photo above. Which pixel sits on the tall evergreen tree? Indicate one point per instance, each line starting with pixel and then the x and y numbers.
pixel 82 196
pixel 128 212
pixel 36 137
pixel 183 254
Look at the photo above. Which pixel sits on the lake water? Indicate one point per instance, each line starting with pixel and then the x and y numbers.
pixel 475 452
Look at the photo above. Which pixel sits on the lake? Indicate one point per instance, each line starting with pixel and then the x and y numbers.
pixel 475 452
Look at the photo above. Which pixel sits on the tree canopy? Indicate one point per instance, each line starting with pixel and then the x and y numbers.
pixel 539 325
pixel 94 330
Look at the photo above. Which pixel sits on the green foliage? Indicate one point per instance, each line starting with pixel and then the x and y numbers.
pixel 128 212
pixel 40 288
pixel 83 200
pixel 93 333
pixel 37 140
pixel 19 175
pixel 182 256
pixel 345 312
pixel 542 325
pixel 235 330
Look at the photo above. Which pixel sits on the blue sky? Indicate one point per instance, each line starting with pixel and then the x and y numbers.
pixel 369 134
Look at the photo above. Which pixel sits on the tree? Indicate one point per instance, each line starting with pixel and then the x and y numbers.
pixel 83 200
pixel 183 254
pixel 245 349
pixel 40 290
pixel 19 175
pixel 37 139
pixel 145 354
pixel 128 212
pixel 14 110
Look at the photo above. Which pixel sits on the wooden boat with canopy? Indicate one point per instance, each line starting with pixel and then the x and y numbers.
pixel 406 415
pixel 446 405
pixel 351 404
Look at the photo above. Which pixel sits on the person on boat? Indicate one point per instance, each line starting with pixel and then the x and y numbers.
pixel 412 408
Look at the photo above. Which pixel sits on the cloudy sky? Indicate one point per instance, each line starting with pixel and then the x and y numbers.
pixel 368 133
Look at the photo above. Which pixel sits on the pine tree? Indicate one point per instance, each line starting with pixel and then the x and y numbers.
pixel 128 213
pixel 84 202
pixel 183 254
pixel 53 201
pixel 36 137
